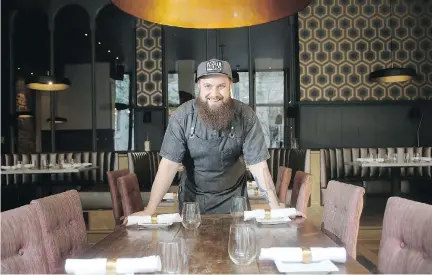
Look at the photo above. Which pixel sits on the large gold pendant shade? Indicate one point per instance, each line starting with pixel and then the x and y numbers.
pixel 211 14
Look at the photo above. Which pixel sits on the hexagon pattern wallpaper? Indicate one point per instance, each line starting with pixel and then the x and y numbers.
pixel 148 64
pixel 342 41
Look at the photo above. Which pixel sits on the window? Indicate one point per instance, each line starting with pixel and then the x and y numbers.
pixel 122 118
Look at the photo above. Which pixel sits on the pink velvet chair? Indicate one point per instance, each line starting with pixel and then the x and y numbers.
pixel 130 194
pixel 115 194
pixel 301 192
pixel 406 240
pixel 282 183
pixel 342 210
pixel 63 229
pixel 22 245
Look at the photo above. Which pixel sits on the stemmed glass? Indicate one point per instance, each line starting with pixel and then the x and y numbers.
pixel 191 217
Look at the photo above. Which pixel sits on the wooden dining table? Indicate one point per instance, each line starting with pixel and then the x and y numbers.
pixel 207 246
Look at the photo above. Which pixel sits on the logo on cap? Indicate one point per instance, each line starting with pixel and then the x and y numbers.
pixel 214 66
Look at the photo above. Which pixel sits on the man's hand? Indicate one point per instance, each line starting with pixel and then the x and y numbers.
pixel 145 212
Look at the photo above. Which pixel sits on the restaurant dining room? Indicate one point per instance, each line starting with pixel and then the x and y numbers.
pixel 216 137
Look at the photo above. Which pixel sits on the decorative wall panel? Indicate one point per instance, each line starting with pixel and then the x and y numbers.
pixel 148 64
pixel 341 42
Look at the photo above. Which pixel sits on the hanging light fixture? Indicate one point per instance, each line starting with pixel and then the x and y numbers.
pixel 24 114
pixel 210 14
pixel 48 83
pixel 393 74
pixel 57 120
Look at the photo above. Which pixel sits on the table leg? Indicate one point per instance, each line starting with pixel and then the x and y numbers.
pixel 395 176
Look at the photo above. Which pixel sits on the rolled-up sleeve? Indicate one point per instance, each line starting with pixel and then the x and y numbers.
pixel 174 142
pixel 255 149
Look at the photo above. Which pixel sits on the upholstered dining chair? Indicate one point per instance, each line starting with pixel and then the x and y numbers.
pixel 130 194
pixel 301 192
pixel 406 240
pixel 115 194
pixel 63 229
pixel 282 183
pixel 22 245
pixel 342 210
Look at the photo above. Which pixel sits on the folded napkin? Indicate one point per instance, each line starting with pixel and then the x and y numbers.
pixel 170 196
pixel 318 267
pixel 302 255
pixel 160 219
pixel 255 192
pixel 122 266
pixel 5 167
pixel 252 184
pixel 274 213
pixel 425 159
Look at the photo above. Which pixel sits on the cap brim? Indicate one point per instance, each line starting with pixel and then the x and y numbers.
pixel 207 74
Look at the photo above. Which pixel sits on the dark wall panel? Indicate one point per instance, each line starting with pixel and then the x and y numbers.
pixel 78 140
pixel 350 125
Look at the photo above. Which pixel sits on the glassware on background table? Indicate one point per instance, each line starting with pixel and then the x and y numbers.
pixel 238 206
pixel 19 164
pixel 43 164
pixel 242 244
pixel 171 256
pixel 191 216
pixel 407 157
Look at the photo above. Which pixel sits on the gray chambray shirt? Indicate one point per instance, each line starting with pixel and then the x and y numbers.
pixel 214 171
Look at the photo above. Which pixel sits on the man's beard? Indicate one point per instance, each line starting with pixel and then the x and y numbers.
pixel 218 117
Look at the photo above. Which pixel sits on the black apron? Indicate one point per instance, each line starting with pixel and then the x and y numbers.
pixel 214 172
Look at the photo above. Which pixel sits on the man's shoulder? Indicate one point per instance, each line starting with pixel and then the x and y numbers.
pixel 244 110
pixel 184 110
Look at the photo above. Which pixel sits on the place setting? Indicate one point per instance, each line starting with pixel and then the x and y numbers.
pixel 190 219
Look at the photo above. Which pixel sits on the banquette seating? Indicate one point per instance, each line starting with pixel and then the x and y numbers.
pixel 333 166
pixel 93 185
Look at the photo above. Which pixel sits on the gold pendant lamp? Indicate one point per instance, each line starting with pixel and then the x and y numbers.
pixel 211 14
pixel 48 83
pixel 393 74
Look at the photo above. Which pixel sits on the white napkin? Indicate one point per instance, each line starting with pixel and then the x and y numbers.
pixel 67 165
pixel 251 193
pixel 5 167
pixel 138 265
pixel 251 184
pixel 170 196
pixel 274 213
pixel 321 267
pixel 123 265
pixel 425 159
pixel 161 219
pixel 85 266
pixel 295 254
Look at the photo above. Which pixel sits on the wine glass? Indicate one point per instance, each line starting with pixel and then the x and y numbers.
pixel 191 217
pixel 238 206
pixel 171 256
pixel 242 246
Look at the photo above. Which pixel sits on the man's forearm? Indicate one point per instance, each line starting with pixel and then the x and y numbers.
pixel 163 180
pixel 264 180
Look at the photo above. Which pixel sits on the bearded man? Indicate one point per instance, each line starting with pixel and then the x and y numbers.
pixel 211 136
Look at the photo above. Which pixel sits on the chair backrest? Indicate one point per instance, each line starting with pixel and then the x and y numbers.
pixel 22 246
pixel 115 194
pixel 130 194
pixel 63 228
pixel 406 241
pixel 342 210
pixel 283 181
pixel 301 191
